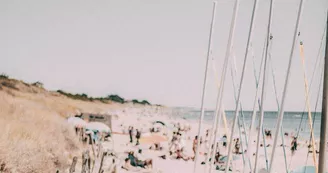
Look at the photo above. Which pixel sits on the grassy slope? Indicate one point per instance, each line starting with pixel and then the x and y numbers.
pixel 34 136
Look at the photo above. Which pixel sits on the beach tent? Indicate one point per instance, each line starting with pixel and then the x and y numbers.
pixel 76 122
pixel 97 126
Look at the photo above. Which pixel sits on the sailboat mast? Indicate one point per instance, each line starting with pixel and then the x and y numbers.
pixel 324 113
pixel 204 85
pixel 257 80
pixel 220 96
pixel 241 83
pixel 261 106
pixel 281 112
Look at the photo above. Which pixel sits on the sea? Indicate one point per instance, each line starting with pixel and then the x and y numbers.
pixel 293 122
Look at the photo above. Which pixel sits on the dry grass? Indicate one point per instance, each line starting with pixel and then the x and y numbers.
pixel 34 136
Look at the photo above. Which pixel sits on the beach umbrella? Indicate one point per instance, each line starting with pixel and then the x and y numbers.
pixel 225 158
pixel 76 122
pixel 98 126
pixel 159 122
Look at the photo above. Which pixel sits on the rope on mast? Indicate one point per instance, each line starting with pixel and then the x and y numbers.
pixel 313 73
pixel 315 111
pixel 308 105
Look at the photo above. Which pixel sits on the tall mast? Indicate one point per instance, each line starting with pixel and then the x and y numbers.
pixel 261 106
pixel 239 123
pixel 241 81
pixel 220 96
pixel 281 112
pixel 257 80
pixel 324 113
pixel 204 85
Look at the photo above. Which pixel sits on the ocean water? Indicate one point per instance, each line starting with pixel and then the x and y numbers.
pixel 292 122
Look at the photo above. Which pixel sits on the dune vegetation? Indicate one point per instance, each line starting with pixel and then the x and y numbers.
pixel 34 136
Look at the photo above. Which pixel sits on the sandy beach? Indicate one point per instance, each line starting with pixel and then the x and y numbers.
pixel 23 115
pixel 121 145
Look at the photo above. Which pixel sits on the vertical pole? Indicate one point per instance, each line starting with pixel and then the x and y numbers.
pixel 261 106
pixel 241 80
pixel 324 112
pixel 281 112
pixel 227 55
pixel 239 123
pixel 257 80
pixel 204 85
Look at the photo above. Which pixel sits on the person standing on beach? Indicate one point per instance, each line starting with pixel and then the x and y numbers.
pixel 138 135
pixel 194 145
pixel 130 133
pixel 237 146
pixel 174 141
pixel 224 141
pixel 294 145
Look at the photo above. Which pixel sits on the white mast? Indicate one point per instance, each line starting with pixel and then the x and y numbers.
pixel 204 85
pixel 281 112
pixel 257 80
pixel 241 82
pixel 324 113
pixel 268 40
pixel 227 55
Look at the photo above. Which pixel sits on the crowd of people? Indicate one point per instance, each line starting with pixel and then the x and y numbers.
pixel 177 147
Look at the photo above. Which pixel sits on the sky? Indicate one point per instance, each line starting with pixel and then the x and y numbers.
pixel 156 50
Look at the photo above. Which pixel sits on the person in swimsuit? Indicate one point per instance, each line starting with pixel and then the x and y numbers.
pixel 237 146
pixel 194 145
pixel 181 156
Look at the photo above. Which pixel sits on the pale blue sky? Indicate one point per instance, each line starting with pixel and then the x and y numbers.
pixel 153 50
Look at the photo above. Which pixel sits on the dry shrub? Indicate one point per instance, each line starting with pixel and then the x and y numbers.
pixel 33 139
pixel 9 84
pixel 34 135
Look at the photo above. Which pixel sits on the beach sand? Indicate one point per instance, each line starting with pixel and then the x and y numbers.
pixel 121 144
